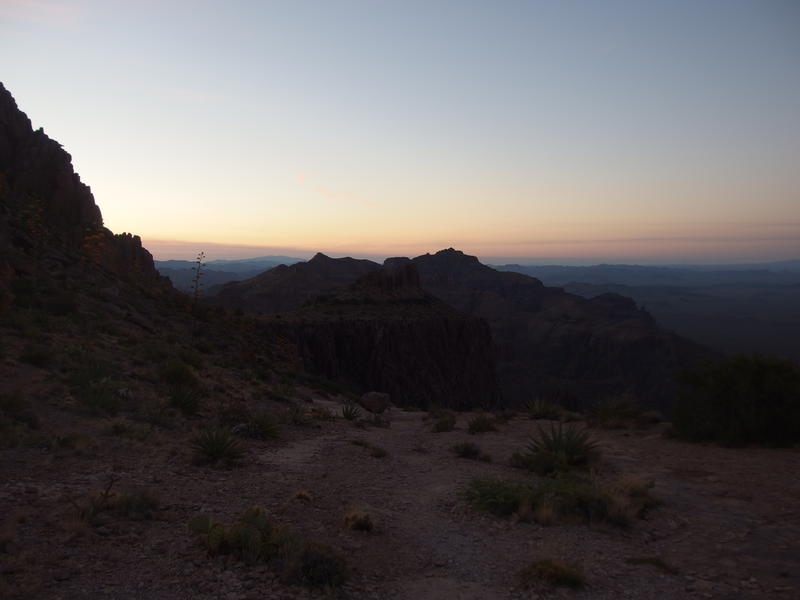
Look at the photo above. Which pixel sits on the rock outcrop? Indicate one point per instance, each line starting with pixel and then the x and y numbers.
pixel 47 211
pixel 557 344
pixel 384 333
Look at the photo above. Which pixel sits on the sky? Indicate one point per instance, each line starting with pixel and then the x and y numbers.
pixel 543 131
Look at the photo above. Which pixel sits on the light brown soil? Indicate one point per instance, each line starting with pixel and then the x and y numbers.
pixel 729 522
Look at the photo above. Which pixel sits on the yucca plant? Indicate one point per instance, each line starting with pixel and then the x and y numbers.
pixel 351 412
pixel 563 447
pixel 215 444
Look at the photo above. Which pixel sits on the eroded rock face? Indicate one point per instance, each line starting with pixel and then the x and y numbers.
pixel 47 210
pixel 384 333
pixel 553 343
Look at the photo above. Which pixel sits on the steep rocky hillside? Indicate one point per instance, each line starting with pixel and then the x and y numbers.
pixel 385 333
pixel 557 344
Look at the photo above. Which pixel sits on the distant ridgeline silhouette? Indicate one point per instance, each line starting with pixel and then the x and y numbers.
pixel 545 341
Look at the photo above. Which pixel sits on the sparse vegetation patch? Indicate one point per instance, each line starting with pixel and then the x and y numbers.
pixel 552 572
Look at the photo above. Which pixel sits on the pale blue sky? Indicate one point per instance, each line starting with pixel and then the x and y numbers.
pixel 637 130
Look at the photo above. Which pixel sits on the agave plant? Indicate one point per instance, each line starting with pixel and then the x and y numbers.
pixel 215 444
pixel 566 446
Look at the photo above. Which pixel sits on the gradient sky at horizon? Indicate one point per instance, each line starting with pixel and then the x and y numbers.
pixel 616 131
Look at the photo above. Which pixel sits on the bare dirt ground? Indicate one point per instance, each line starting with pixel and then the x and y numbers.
pixel 729 522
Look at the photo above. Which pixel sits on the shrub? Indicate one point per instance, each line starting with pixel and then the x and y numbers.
pixel 374 451
pixel 552 572
pixel 744 399
pixel 137 506
pixel 617 412
pixel 318 565
pixel 562 497
pixel 446 422
pixel 264 426
pixel 298 415
pixel 481 424
pixel 499 497
pixel 358 520
pixel 467 450
pixel 186 398
pixel 174 372
pixel 350 411
pixel 100 397
pixel 558 448
pixel 539 408
pixel 215 444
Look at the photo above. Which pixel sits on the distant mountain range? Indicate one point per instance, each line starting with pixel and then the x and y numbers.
pixel 544 339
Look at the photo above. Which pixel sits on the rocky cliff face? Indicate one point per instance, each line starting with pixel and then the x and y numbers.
pixel 553 343
pixel 286 288
pixel 385 333
pixel 45 209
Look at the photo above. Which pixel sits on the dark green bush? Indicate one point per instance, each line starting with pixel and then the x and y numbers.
pixel 744 399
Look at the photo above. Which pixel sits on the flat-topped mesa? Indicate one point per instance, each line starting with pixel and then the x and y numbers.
pixel 46 209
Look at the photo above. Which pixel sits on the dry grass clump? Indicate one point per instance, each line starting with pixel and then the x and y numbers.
pixel 552 572
pixel 566 497
pixel 359 520
pixel 445 422
pixel 617 412
pixel 470 451
pixel 374 451
pixel 255 538
pixel 653 561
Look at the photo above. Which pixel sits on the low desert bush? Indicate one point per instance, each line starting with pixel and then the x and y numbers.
pixel 298 415
pixel 566 497
pixel 444 422
pixel 359 520
pixel 374 451
pixel 616 412
pixel 185 398
pixel 743 399
pixel 552 572
pixel 481 424
pixel 256 538
pixel 539 408
pixel 470 451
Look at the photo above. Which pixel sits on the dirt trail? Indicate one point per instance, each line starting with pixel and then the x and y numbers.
pixel 729 523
